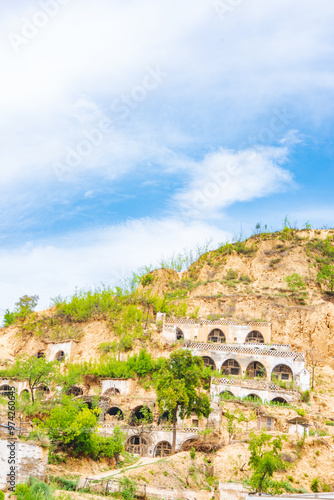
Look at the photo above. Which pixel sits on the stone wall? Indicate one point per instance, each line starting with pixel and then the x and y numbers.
pixel 30 460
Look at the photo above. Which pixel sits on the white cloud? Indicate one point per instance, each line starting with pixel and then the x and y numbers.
pixel 227 177
pixel 233 70
pixel 102 256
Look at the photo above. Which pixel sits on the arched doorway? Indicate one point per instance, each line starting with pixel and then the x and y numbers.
pixel 255 337
pixel 208 362
pixel 114 413
pixel 280 401
pixel 231 367
pixel 136 445
pixel 227 395
pixel 141 415
pixel 282 372
pixel 75 391
pixel 60 356
pixel 256 369
pixel 163 449
pixel 179 334
pixel 217 335
pixel 113 391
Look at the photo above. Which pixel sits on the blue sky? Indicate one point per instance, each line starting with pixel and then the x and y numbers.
pixel 132 129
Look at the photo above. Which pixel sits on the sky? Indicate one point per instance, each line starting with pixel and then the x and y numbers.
pixel 133 129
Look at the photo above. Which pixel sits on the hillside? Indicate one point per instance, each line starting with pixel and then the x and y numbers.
pixel 276 278
pixel 246 282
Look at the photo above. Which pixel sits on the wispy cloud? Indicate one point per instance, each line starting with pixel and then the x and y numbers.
pixel 226 177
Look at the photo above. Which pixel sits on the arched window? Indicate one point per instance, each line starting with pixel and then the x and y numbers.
pixel 231 367
pixel 5 390
pixel 179 334
pixel 255 337
pixel 25 395
pixel 281 401
pixel 227 395
pixel 163 449
pixel 60 356
pixel 115 413
pixel 256 369
pixel 136 445
pixel 282 372
pixel 113 391
pixel 217 335
pixel 209 362
pixel 75 391
pixel 141 415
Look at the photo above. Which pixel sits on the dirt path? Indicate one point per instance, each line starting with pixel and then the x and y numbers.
pixel 141 463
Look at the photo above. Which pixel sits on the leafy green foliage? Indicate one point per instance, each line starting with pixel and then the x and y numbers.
pixel 179 386
pixel 315 485
pixel 296 283
pixel 127 488
pixel 71 426
pixel 65 484
pixel 37 371
pixel 36 490
pixel 326 276
pixel 23 308
pixel 146 280
pixel 306 396
pixel 265 459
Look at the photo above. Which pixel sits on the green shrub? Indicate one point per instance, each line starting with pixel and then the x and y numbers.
pixel 192 453
pixel 315 486
pixel 35 490
pixel 65 484
pixel 306 396
pixel 2 495
pixel 296 283
pixel 127 488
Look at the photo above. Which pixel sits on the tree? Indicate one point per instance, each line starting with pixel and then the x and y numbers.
pixel 23 307
pixel 326 276
pixel 179 386
pixel 314 357
pixel 265 459
pixel 35 370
